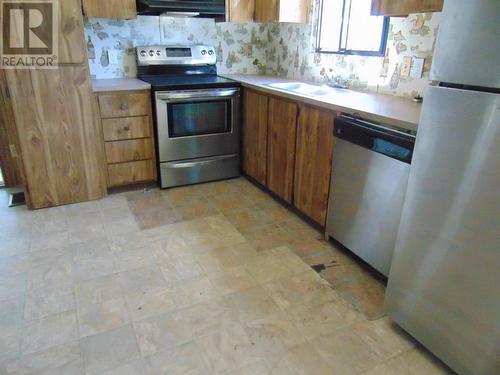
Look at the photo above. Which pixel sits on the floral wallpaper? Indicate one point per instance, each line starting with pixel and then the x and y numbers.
pixel 274 49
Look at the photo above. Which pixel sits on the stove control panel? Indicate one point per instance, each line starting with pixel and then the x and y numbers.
pixel 176 55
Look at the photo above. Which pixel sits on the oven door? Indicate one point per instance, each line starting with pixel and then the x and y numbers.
pixel 197 123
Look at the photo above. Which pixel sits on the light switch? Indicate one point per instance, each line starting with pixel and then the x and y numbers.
pixel 113 55
pixel 406 67
pixel 417 67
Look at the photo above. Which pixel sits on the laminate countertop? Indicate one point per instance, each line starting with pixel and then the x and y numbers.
pixel 119 84
pixel 388 109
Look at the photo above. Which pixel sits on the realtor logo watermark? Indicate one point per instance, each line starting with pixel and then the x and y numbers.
pixel 29 34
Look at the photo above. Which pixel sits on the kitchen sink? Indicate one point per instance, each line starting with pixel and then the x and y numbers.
pixel 301 88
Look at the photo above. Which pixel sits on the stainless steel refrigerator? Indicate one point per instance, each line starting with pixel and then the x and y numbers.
pixel 444 283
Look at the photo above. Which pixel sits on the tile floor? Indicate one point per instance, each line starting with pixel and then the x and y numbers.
pixel 209 279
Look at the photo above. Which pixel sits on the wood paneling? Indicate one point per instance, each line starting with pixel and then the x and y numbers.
pixel 266 10
pixel 255 136
pixel 71 39
pixel 125 105
pixel 282 130
pixel 133 150
pixel 59 134
pixel 116 9
pixel 240 11
pixel 126 128
pixel 402 8
pixel 313 162
pixel 130 173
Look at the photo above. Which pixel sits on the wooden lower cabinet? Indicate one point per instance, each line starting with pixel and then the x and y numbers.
pixel 255 135
pixel 130 173
pixel 282 132
pixel 313 162
pixel 115 9
pixel 402 8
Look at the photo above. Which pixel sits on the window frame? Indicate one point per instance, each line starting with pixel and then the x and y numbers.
pixel 383 38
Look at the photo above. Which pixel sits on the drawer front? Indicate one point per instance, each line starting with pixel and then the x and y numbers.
pixel 117 129
pixel 129 173
pixel 125 105
pixel 123 151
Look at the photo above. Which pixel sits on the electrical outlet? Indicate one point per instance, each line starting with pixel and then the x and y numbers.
pixel 406 67
pixel 417 67
pixel 113 55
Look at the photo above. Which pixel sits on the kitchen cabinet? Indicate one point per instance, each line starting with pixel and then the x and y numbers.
pixel 282 131
pixel 240 11
pixel 313 162
pixel 127 130
pixel 71 38
pixel 57 130
pixel 281 11
pixel 395 8
pixel 115 9
pixel 255 135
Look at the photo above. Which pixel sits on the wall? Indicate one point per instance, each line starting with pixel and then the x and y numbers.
pixel 275 49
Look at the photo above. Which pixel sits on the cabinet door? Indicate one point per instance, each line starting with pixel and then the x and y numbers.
pixel 255 136
pixel 313 163
pixel 58 134
pixel 116 9
pixel 266 10
pixel 71 38
pixel 396 8
pixel 293 11
pixel 282 125
pixel 240 11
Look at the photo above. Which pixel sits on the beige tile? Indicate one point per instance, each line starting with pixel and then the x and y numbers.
pixel 10 342
pixel 267 237
pixel 170 248
pixel 181 269
pixel 161 332
pixel 214 261
pixel 64 359
pixel 251 304
pixel 83 208
pixel 198 208
pixel 106 316
pixel 194 291
pixel 50 274
pixel 91 249
pixel 258 368
pixel 52 239
pixel 299 288
pixel 109 350
pixel 302 359
pixel 141 279
pixel 98 290
pixel 232 280
pixel 49 256
pixel 13 287
pixel 51 331
pixel 135 367
pixel 90 268
pixel 11 313
pixel 183 359
pixel 126 241
pixel 136 258
pixel 155 301
pixel 345 352
pixel 248 217
pixel 268 267
pixel 55 299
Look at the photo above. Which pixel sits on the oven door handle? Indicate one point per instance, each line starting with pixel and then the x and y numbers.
pixel 195 95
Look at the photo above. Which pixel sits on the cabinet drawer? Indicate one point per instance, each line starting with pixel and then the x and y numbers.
pixel 117 129
pixel 129 173
pixel 125 105
pixel 123 151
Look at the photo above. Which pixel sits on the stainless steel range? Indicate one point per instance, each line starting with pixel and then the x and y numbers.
pixel 196 114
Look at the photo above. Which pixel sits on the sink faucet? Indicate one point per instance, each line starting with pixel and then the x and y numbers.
pixel 338 82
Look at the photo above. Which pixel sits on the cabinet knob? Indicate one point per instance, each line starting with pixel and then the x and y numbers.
pixel 126 128
pixel 123 105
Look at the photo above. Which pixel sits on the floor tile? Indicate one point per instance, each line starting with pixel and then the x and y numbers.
pixel 302 359
pixel 232 280
pixel 109 350
pixel 106 316
pixel 141 279
pixel 136 258
pixel 50 300
pixel 91 268
pixel 13 287
pixel 98 290
pixel 52 239
pixel 251 304
pixel 51 331
pixel 183 359
pixel 50 274
pixel 135 367
pixel 194 291
pixel 181 269
pixel 152 302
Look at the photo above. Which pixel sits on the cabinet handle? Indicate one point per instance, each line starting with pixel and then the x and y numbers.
pixel 126 128
pixel 123 105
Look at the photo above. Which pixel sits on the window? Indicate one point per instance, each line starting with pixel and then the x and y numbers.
pixel 346 27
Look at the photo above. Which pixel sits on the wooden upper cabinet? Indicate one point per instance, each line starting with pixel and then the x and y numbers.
pixel 115 9
pixel 282 131
pixel 71 39
pixel 313 162
pixel 59 135
pixel 396 8
pixel 281 11
pixel 255 136
pixel 240 11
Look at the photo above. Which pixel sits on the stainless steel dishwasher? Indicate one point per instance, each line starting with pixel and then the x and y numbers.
pixel 371 166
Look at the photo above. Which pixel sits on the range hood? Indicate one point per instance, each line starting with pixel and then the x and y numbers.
pixel 188 8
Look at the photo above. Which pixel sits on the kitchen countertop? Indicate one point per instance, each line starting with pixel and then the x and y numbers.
pixel 119 84
pixel 388 109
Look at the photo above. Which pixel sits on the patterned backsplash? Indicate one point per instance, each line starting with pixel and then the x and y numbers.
pixel 274 49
